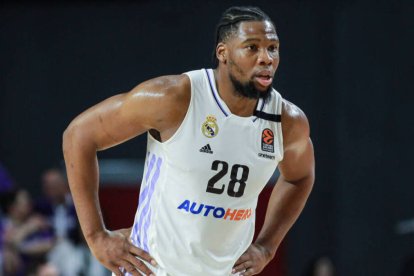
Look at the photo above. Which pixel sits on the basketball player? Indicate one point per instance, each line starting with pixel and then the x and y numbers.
pixel 215 137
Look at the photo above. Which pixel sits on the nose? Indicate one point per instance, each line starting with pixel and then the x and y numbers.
pixel 265 58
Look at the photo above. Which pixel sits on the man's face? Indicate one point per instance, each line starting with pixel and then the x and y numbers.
pixel 252 57
pixel 22 205
pixel 54 185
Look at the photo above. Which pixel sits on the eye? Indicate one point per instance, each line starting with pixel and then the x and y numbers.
pixel 273 48
pixel 252 47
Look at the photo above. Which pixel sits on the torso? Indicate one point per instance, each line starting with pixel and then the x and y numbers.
pixel 201 183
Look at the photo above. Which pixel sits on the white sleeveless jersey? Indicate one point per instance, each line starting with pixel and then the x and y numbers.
pixel 199 190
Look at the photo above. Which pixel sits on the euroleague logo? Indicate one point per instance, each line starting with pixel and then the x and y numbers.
pixel 268 140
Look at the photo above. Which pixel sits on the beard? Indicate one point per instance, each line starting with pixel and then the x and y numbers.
pixel 249 90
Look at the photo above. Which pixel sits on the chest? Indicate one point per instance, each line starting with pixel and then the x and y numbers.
pixel 227 153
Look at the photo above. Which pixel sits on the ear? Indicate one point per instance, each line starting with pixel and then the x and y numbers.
pixel 221 51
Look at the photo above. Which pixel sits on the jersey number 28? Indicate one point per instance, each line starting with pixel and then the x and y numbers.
pixel 231 189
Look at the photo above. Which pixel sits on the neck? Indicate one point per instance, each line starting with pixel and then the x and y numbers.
pixel 238 105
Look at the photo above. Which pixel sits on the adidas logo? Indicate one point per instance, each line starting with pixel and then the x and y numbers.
pixel 206 149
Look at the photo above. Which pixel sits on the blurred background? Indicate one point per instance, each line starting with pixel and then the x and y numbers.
pixel 347 64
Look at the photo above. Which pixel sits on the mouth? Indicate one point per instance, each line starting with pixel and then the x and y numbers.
pixel 264 78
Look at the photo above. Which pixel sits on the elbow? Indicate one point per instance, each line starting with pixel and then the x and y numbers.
pixel 78 137
pixel 311 177
pixel 67 138
pixel 309 180
pixel 74 136
pixel 306 182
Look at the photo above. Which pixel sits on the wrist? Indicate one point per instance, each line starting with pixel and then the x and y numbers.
pixel 268 250
pixel 95 236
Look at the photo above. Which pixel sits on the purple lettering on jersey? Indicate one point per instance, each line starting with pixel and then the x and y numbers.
pixel 185 205
pixel 208 208
pixel 199 208
pixel 217 212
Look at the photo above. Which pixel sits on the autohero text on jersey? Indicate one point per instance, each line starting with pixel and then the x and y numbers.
pixel 213 211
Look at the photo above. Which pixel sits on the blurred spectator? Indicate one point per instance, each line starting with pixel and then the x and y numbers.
pixel 322 266
pixel 26 237
pixel 82 262
pixel 70 255
pixel 56 204
pixel 47 269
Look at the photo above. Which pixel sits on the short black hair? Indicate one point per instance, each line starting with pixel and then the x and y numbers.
pixel 230 21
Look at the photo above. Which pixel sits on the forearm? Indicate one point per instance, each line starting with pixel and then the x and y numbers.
pixel 83 176
pixel 285 205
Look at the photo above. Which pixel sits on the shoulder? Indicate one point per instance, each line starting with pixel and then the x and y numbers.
pixel 171 87
pixel 295 125
pixel 160 103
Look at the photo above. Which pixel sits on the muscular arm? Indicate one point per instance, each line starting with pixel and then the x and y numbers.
pixel 158 104
pixel 290 193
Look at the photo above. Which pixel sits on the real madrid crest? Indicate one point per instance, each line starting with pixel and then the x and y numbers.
pixel 210 128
